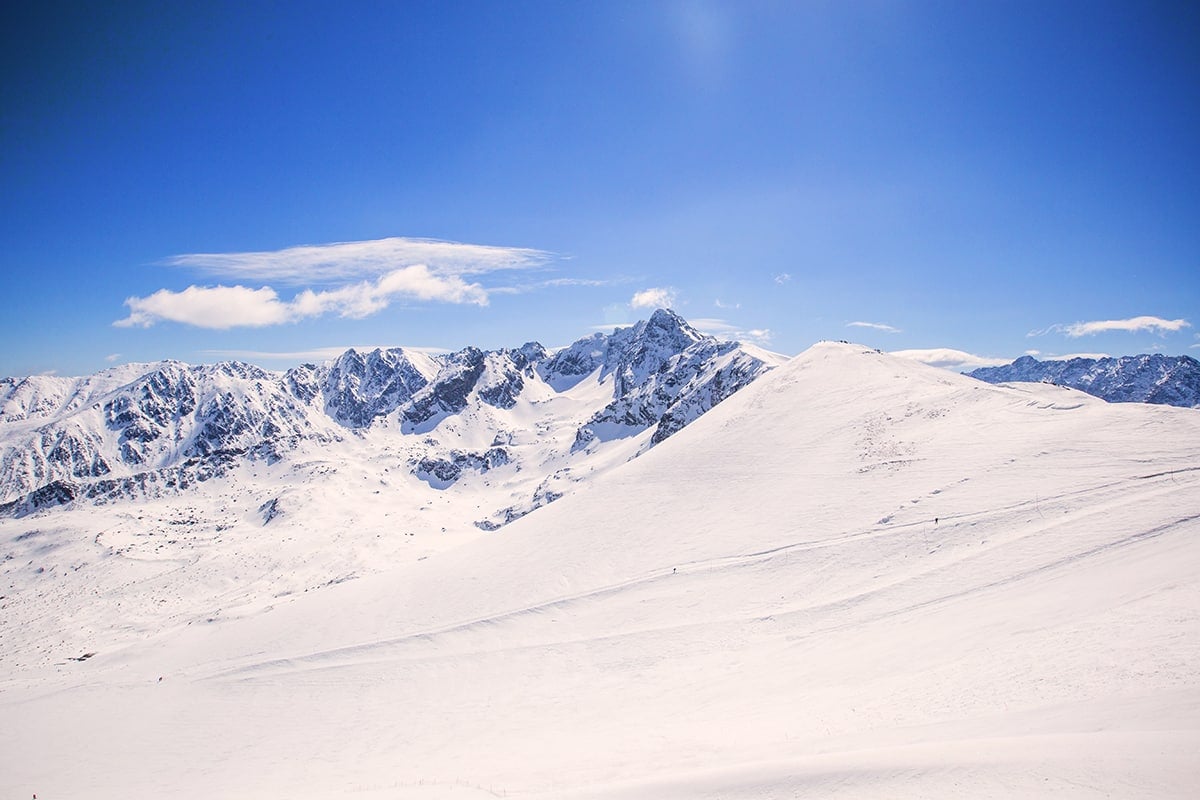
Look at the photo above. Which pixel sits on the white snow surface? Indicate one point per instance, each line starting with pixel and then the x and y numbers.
pixel 858 577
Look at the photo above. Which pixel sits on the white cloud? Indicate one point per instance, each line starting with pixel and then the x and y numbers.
pixel 111 357
pixel 656 297
pixel 947 358
pixel 343 261
pixel 216 307
pixel 726 330
pixel 348 279
pixel 879 326
pixel 223 307
pixel 1132 325
pixel 782 278
pixel 721 305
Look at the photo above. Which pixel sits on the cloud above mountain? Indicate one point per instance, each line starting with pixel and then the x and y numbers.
pixel 951 359
pixel 655 297
pixel 346 279
pixel 878 326
pixel 1131 325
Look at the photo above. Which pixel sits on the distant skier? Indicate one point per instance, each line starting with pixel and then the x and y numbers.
pixel 935 519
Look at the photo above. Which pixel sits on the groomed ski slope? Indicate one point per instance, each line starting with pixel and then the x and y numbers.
pixel 760 607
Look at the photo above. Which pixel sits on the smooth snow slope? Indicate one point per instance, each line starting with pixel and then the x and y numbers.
pixel 761 607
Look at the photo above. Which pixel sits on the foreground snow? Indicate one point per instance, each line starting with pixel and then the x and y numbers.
pixel 763 606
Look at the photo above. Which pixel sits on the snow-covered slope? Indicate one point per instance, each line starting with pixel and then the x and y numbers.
pixel 857 577
pixel 1169 380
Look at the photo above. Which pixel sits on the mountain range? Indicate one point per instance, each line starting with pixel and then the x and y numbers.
pixel 530 417
pixel 1166 380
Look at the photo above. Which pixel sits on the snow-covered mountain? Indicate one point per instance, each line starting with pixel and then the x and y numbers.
pixel 160 429
pixel 1165 380
pixel 857 577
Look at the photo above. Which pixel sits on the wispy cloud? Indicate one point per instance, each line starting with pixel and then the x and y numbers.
pixel 782 278
pixel 347 279
pixel 346 261
pixel 554 283
pixel 723 329
pixel 112 357
pixel 1132 325
pixel 879 326
pixel 947 358
pixel 655 297
pixel 721 305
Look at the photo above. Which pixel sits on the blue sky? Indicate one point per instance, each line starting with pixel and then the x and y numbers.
pixel 278 181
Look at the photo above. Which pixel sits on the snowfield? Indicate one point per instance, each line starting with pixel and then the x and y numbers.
pixel 857 577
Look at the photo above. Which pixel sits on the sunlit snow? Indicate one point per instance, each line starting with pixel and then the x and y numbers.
pixel 857 577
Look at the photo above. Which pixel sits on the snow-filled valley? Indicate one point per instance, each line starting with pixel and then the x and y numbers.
pixel 855 576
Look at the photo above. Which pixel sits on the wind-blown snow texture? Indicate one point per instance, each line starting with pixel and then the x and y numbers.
pixel 129 433
pixel 856 577
pixel 1167 380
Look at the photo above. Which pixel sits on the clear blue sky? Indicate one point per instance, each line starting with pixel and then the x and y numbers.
pixel 994 177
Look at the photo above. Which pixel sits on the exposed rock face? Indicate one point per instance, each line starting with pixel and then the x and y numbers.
pixel 358 388
pixel 1166 380
pixel 667 374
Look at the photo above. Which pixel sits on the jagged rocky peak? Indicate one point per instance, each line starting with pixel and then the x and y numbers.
pixel 357 388
pixel 630 354
pixel 645 348
pixel 666 375
pixel 1154 378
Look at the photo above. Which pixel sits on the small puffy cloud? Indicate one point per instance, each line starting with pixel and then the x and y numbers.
pixel 782 278
pixel 656 297
pixel 1132 325
pixel 223 307
pixel 947 358
pixel 878 326
pixel 721 305
pixel 112 357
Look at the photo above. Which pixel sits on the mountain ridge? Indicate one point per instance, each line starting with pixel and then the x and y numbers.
pixel 1146 378
pixel 126 431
